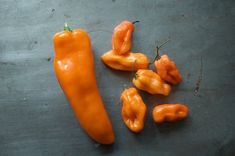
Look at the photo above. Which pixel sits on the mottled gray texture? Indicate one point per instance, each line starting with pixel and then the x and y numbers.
pixel 35 117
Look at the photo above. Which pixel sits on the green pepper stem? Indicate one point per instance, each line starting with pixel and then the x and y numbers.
pixel 164 43
pixel 66 27
pixel 157 57
pixel 133 70
pixel 136 76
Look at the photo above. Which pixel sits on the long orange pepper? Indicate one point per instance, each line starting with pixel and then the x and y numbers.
pixel 151 82
pixel 122 37
pixel 133 110
pixel 169 112
pixel 127 62
pixel 167 70
pixel 74 68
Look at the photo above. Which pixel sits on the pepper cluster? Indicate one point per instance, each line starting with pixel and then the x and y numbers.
pixel 154 82
pixel 74 69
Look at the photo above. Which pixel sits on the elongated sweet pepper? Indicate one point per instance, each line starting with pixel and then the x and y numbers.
pixel 133 110
pixel 167 70
pixel 74 68
pixel 122 37
pixel 150 82
pixel 127 62
pixel 169 112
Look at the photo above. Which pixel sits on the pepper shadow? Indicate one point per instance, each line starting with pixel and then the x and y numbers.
pixel 168 127
pixel 105 149
pixel 126 76
pixel 148 134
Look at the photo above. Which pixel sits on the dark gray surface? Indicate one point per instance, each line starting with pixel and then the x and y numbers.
pixel 35 117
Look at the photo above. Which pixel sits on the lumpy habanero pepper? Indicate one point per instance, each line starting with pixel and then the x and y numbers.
pixel 122 37
pixel 74 68
pixel 127 62
pixel 121 57
pixel 169 112
pixel 133 110
pixel 151 82
pixel 166 68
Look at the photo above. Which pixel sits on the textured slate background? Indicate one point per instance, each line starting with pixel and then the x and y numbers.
pixel 35 117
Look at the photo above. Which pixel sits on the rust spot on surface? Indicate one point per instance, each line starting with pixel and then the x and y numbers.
pixel 198 83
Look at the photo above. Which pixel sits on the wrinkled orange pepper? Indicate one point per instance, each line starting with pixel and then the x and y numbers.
pixel 133 110
pixel 127 62
pixel 151 82
pixel 167 70
pixel 122 37
pixel 169 112
pixel 74 68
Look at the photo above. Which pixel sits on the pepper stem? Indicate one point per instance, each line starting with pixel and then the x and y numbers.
pixel 66 27
pixel 133 69
pixel 134 22
pixel 164 43
pixel 157 57
pixel 136 76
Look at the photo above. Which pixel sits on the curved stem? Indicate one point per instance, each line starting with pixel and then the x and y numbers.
pixel 157 57
pixel 134 22
pixel 66 27
pixel 164 43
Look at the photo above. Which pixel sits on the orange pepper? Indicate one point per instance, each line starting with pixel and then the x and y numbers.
pixel 133 110
pixel 122 37
pixel 167 70
pixel 169 112
pixel 151 82
pixel 74 68
pixel 127 62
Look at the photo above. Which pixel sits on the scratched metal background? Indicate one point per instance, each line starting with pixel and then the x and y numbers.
pixel 35 117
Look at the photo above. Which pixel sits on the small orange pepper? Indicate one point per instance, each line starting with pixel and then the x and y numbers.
pixel 133 110
pixel 74 68
pixel 151 82
pixel 169 112
pixel 122 37
pixel 127 62
pixel 167 70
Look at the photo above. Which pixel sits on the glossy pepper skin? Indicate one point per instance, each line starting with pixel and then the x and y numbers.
pixel 150 82
pixel 167 70
pixel 74 68
pixel 122 37
pixel 169 113
pixel 127 62
pixel 133 110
